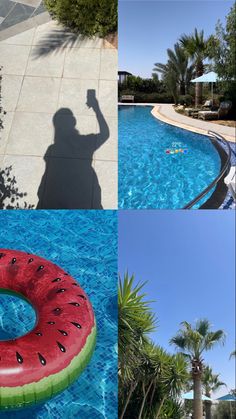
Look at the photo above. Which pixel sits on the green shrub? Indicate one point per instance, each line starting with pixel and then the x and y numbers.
pixel 88 17
pixel 140 97
pixel 185 100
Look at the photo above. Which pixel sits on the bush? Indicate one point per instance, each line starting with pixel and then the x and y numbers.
pixel 88 17
pixel 140 97
pixel 185 100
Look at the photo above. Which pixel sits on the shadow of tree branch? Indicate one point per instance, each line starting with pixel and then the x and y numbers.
pixel 10 196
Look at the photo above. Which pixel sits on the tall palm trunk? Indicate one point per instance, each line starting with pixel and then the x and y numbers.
pixel 197 394
pixel 144 398
pixel 131 390
pixel 198 87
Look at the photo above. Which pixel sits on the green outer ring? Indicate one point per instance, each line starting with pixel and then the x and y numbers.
pixel 44 389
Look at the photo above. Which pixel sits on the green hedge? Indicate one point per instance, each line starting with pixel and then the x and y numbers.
pixel 140 97
pixel 88 17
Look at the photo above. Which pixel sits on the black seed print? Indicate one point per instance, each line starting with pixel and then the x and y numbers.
pixel 76 325
pixel 56 310
pixel 51 322
pixel 82 296
pixel 63 332
pixel 30 260
pixel 13 261
pixel 19 358
pixel 60 290
pixel 65 274
pixel 42 359
pixel 40 268
pixel 75 304
pixel 61 347
pixel 39 334
pixel 75 284
pixel 2 255
pixel 56 280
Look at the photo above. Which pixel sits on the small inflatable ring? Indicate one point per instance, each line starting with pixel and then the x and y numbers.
pixel 45 361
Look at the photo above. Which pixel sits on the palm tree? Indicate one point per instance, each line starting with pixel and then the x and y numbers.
pixel 193 341
pixel 233 354
pixel 210 383
pixel 135 321
pixel 197 48
pixel 177 72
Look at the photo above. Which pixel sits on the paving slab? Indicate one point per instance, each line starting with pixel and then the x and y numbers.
pixel 60 135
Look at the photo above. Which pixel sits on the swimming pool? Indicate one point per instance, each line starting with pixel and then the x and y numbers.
pixel 84 243
pixel 152 174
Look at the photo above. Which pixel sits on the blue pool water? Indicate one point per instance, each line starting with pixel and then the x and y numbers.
pixel 84 243
pixel 151 178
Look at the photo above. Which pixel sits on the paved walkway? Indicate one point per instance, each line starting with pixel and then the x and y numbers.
pixel 17 11
pixel 59 143
pixel 166 113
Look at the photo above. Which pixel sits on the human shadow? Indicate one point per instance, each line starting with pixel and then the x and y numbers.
pixel 69 180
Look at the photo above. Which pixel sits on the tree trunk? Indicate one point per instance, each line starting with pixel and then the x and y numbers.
pixel 198 94
pixel 197 400
pixel 132 387
pixel 160 407
pixel 144 399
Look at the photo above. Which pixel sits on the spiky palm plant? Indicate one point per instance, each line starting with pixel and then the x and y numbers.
pixel 193 342
pixel 197 48
pixel 135 321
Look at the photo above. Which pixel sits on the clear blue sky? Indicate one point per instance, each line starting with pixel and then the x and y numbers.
pixel 188 259
pixel 148 27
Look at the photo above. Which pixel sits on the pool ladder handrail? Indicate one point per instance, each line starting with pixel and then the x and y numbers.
pixel 215 137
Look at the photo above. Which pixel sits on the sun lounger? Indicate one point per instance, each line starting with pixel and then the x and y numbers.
pixel 222 112
pixel 230 181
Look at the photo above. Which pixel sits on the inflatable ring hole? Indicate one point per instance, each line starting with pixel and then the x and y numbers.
pixel 17 315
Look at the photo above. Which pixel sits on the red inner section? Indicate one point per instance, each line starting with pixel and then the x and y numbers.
pixel 48 348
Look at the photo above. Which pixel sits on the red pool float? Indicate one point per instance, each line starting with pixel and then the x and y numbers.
pixel 45 361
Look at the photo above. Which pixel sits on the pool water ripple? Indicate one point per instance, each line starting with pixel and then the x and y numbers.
pixel 151 178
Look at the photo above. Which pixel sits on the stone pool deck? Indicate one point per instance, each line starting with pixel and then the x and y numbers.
pixel 166 113
pixel 59 142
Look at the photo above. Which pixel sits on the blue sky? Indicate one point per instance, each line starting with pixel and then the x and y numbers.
pixel 188 259
pixel 148 27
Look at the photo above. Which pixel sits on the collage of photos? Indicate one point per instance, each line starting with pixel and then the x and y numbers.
pixel 117 129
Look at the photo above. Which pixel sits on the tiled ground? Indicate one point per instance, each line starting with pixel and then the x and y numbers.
pixel 60 129
pixel 13 12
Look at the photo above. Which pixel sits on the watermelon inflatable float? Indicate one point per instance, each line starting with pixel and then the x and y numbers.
pixel 40 364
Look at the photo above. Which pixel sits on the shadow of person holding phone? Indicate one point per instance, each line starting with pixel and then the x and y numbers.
pixel 69 180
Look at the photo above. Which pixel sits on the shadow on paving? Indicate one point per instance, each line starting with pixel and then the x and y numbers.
pixel 55 40
pixel 70 181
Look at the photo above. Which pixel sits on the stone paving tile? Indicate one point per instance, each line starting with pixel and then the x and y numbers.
pixel 73 95
pixel 108 70
pixel 32 3
pixel 50 65
pixel 82 63
pixel 39 10
pixel 109 149
pixel 39 94
pixel 106 172
pixel 108 97
pixel 28 172
pixel 5 7
pixel 11 86
pixel 11 64
pixel 7 122
pixel 1 19
pixel 25 125
pixel 24 38
pixel 16 15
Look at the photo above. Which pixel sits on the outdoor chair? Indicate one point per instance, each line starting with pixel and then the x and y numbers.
pixel 230 181
pixel 221 113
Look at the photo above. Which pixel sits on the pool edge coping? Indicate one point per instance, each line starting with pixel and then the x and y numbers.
pixel 158 115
